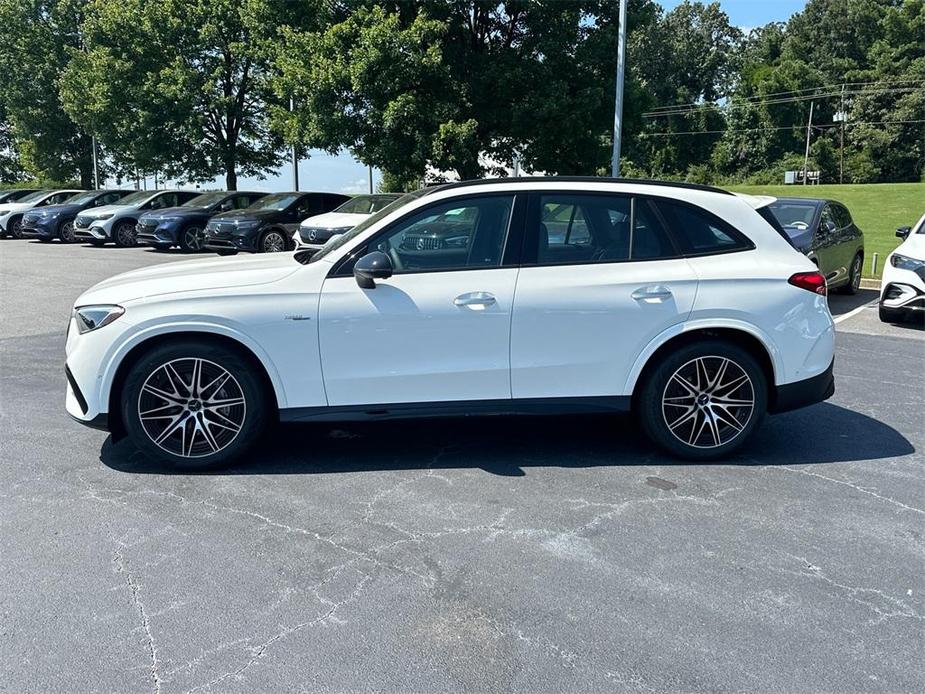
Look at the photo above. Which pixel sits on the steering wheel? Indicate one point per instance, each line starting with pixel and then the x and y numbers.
pixel 801 226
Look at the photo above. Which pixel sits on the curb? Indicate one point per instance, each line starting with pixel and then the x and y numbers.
pixel 870 284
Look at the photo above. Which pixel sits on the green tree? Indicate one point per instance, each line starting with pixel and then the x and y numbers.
pixel 38 36
pixel 181 86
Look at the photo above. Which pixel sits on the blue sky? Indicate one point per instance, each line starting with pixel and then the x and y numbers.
pixel 343 174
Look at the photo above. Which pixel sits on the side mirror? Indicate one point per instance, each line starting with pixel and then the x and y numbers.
pixel 372 266
pixel 826 228
pixel 903 232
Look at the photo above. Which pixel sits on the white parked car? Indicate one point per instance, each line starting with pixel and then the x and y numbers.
pixel 118 222
pixel 678 302
pixel 902 290
pixel 11 213
pixel 315 231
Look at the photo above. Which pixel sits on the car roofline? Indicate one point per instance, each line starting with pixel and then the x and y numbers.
pixel 574 179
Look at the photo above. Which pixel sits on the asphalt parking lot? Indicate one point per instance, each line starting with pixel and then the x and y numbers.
pixel 494 555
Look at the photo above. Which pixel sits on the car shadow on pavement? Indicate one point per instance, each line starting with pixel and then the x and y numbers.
pixel 839 304
pixel 505 446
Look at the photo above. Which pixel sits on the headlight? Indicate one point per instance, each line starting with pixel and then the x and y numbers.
pixel 93 317
pixel 904 262
pixel 101 217
pixel 247 226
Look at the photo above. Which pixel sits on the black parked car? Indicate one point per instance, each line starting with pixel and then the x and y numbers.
pixel 16 194
pixel 824 231
pixel 267 225
pixel 184 226
pixel 57 221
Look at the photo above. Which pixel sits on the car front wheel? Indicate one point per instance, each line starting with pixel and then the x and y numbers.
pixel 124 234
pixel 194 404
pixel 66 231
pixel 273 242
pixel 704 400
pixel 15 227
pixel 191 239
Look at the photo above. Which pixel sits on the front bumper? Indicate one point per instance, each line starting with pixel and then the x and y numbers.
pixel 245 241
pixel 792 396
pixel 157 235
pixel 44 229
pixel 97 231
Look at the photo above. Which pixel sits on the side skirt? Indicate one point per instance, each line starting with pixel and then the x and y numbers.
pixel 457 408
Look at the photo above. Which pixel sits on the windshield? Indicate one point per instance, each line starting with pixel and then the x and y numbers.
pixel 82 197
pixel 136 197
pixel 366 204
pixel 206 199
pixel 278 201
pixel 339 240
pixel 793 216
pixel 920 229
pixel 33 197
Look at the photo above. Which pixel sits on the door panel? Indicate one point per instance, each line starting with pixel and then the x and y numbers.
pixel 419 337
pixel 577 329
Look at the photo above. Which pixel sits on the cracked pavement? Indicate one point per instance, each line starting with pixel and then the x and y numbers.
pixel 490 555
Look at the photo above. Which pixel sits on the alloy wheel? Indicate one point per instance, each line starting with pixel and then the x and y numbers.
pixel 125 233
pixel 274 243
pixel 67 231
pixel 193 239
pixel 191 407
pixel 16 228
pixel 856 273
pixel 708 402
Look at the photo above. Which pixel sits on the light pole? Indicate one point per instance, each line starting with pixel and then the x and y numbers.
pixel 295 153
pixel 809 127
pixel 618 101
pixel 96 168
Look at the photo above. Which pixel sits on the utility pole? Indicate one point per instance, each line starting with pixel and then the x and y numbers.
pixel 618 101
pixel 96 168
pixel 295 154
pixel 842 117
pixel 809 127
pixel 370 167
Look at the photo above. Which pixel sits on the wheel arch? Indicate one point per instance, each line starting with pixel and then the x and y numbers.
pixel 747 339
pixel 140 348
pixel 287 236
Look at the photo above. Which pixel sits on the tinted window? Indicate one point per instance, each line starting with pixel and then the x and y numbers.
pixel 793 215
pixel 598 229
pixel 462 234
pixel 243 201
pixel 700 233
pixel 162 201
pixel 842 217
pixel 827 218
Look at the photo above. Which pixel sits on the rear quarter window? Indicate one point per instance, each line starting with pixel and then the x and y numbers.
pixel 698 232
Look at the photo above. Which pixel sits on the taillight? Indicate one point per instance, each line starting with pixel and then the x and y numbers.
pixel 810 281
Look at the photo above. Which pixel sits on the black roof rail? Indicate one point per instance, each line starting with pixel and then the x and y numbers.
pixel 577 179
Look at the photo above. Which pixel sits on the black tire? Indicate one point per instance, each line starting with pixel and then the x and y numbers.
pixel 666 407
pixel 66 231
pixel 14 227
pixel 191 239
pixel 252 415
pixel 124 234
pixel 854 276
pixel 273 241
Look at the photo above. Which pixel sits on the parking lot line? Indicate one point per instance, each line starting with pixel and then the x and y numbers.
pixel 854 312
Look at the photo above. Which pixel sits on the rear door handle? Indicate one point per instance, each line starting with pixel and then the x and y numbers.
pixel 653 293
pixel 477 301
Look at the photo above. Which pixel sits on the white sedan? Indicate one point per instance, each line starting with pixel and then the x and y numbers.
pixel 902 291
pixel 11 213
pixel 679 302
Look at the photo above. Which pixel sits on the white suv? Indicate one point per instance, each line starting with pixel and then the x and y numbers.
pixel 679 302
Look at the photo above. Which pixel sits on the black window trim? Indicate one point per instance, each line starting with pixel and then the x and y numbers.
pixel 510 250
pixel 530 253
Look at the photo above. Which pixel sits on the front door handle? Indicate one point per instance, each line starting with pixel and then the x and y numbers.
pixel 652 294
pixel 477 301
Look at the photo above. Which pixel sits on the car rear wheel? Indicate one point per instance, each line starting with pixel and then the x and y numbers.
pixel 66 231
pixel 273 241
pixel 191 239
pixel 854 276
pixel 194 404
pixel 124 234
pixel 15 227
pixel 704 400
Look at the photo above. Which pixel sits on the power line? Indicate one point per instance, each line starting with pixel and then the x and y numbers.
pixel 781 127
pixel 838 85
pixel 782 100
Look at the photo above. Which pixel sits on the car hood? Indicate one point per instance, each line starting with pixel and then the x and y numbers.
pixel 53 210
pixel 190 276
pixel 333 220
pixel 8 207
pixel 914 247
pixel 105 209
pixel 246 215
pixel 175 212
